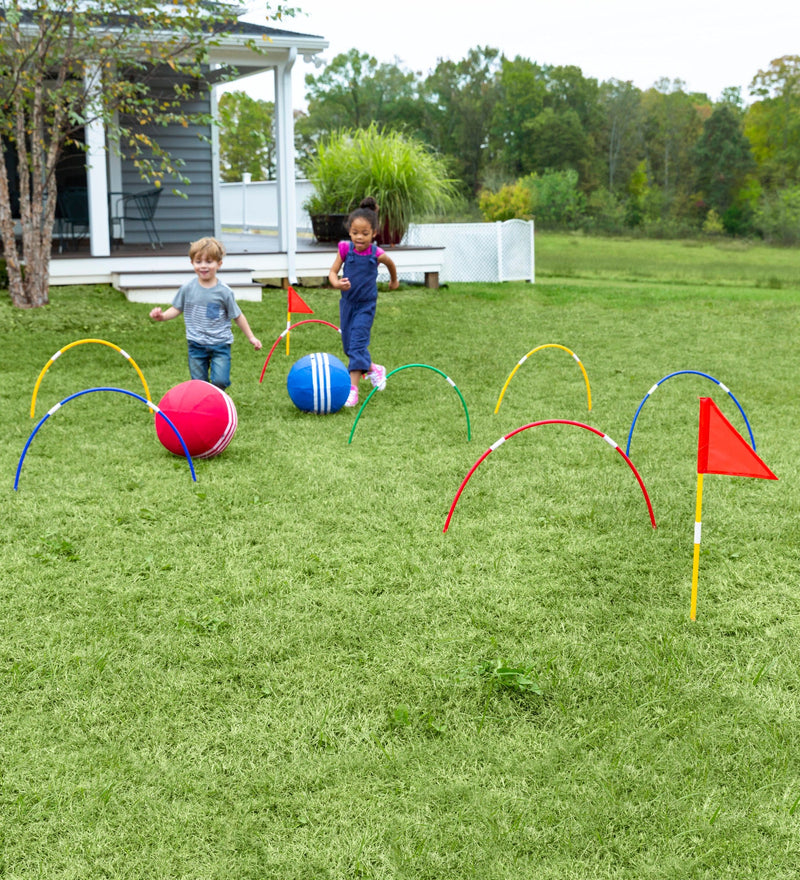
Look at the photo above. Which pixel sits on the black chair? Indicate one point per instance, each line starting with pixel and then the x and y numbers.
pixel 138 207
pixel 72 203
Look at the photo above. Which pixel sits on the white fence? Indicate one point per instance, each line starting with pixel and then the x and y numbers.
pixel 480 251
pixel 473 251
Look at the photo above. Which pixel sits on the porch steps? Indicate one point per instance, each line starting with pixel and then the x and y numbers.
pixel 160 287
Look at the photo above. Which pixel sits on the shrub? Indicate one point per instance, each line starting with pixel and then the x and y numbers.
pixel 557 202
pixel 778 216
pixel 712 225
pixel 510 202
pixel 738 220
pixel 605 213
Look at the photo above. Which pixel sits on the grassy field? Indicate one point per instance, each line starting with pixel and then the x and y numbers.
pixel 286 670
pixel 727 262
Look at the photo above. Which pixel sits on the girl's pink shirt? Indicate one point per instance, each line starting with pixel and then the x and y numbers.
pixel 344 247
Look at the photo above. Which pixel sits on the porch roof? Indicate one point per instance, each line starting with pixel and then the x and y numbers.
pixel 277 46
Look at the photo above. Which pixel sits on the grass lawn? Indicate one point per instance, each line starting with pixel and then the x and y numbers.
pixel 286 670
pixel 727 262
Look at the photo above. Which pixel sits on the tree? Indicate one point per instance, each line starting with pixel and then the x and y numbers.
pixel 568 88
pixel 558 140
pixel 460 97
pixel 622 106
pixel 773 123
pixel 355 91
pixel 722 159
pixel 246 138
pixel 574 96
pixel 520 98
pixel 65 65
pixel 673 121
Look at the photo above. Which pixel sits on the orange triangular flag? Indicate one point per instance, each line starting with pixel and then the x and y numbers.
pixel 296 303
pixel 721 449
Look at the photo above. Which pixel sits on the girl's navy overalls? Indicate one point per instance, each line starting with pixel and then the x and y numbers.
pixel 357 305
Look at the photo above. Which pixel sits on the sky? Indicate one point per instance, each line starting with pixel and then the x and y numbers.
pixel 708 44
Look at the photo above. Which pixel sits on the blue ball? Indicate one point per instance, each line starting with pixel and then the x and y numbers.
pixel 318 383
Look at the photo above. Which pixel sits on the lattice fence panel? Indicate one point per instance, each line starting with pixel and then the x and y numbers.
pixel 476 251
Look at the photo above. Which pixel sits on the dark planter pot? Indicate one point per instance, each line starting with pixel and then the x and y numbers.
pixel 329 227
pixel 388 235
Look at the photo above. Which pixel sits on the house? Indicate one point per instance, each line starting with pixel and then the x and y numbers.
pixel 120 251
pixel 103 177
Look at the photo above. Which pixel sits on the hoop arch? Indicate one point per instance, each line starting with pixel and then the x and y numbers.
pixel 57 407
pixel 539 348
pixel 61 351
pixel 285 333
pixel 502 440
pixel 406 367
pixel 693 373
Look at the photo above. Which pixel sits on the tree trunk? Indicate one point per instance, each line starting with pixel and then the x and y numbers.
pixel 16 287
pixel 37 284
pixel 29 285
pixel 27 289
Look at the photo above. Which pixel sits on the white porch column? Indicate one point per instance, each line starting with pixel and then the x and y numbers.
pixel 96 179
pixel 216 175
pixel 287 204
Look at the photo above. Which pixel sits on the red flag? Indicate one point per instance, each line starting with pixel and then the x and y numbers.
pixel 296 303
pixel 721 449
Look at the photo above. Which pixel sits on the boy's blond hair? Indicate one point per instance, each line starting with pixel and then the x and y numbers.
pixel 211 247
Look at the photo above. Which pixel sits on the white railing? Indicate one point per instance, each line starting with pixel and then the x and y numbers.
pixel 252 206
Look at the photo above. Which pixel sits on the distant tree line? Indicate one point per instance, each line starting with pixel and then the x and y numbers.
pixel 545 141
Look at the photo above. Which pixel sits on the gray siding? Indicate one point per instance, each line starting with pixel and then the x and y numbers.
pixel 177 219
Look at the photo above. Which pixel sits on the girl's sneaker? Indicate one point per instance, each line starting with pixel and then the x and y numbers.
pixel 377 375
pixel 352 397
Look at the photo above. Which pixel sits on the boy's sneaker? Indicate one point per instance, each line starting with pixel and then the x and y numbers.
pixel 352 397
pixel 377 375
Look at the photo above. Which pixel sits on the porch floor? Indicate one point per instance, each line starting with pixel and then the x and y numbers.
pixel 235 243
pixel 254 259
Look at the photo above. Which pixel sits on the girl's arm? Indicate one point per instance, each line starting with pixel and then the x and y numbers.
pixel 389 263
pixel 333 276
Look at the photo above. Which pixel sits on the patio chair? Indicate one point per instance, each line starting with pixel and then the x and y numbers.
pixel 73 216
pixel 138 207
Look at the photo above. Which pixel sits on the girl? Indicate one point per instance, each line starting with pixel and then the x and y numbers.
pixel 359 285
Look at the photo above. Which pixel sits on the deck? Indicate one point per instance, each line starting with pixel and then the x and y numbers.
pixel 252 260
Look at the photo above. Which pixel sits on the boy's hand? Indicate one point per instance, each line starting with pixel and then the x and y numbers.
pixel 156 314
pixel 256 343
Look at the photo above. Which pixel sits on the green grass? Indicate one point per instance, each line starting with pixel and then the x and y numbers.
pixel 287 671
pixel 712 262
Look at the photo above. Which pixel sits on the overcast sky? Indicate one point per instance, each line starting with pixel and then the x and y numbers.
pixel 708 44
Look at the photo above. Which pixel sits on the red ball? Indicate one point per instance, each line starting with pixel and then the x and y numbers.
pixel 204 415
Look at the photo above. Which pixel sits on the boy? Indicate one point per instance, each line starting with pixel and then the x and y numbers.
pixel 208 307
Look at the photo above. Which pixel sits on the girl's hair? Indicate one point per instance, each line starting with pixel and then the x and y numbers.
pixel 211 247
pixel 367 210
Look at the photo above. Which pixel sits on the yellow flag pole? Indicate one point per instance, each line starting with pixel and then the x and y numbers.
pixel 288 325
pixel 698 521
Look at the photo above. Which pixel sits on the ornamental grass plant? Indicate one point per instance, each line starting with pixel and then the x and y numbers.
pixel 286 670
pixel 407 179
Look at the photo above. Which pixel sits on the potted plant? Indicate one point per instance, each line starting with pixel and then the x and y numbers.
pixel 406 179
pixel 328 214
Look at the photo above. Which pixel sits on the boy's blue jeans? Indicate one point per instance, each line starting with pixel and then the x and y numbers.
pixel 211 363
